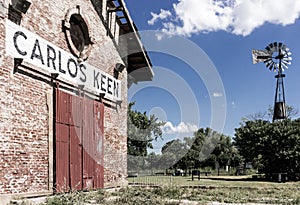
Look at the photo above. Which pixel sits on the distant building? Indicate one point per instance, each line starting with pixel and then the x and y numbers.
pixel 63 94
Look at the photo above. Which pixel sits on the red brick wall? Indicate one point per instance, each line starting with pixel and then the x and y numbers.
pixel 23 133
pixel 24 114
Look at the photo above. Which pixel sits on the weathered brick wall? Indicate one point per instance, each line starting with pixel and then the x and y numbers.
pixel 23 128
pixel 24 114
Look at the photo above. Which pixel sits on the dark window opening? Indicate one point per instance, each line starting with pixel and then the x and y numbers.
pixel 79 32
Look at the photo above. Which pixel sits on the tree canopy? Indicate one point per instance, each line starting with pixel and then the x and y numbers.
pixel 204 149
pixel 272 147
pixel 141 131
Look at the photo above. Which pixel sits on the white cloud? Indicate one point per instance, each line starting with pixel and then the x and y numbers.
pixel 162 15
pixel 182 127
pixel 217 95
pixel 239 17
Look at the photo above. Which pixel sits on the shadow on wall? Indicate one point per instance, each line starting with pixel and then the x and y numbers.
pixel 97 4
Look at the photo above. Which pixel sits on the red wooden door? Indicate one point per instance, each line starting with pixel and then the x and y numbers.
pixel 75 148
pixel 75 159
pixel 99 149
pixel 88 145
pixel 62 157
pixel 79 143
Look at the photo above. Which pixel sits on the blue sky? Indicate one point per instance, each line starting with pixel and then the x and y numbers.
pixel 226 31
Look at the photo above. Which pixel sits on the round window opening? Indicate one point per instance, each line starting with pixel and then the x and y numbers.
pixel 79 32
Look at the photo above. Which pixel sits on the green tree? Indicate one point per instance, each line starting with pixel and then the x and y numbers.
pixel 248 138
pixel 273 147
pixel 224 151
pixel 172 153
pixel 142 130
pixel 203 149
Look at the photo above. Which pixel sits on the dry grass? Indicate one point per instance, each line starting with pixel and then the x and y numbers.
pixel 181 190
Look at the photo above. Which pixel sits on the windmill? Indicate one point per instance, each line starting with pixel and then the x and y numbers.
pixel 276 57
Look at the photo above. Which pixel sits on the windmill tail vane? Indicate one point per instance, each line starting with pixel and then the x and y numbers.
pixel 260 56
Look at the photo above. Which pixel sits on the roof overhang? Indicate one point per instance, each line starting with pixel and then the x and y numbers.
pixel 139 65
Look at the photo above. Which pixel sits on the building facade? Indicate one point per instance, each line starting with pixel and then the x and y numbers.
pixel 64 68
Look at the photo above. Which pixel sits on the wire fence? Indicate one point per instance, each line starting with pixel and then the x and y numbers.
pixel 151 180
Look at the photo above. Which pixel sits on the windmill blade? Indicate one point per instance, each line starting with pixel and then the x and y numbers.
pixel 271 45
pixel 268 62
pixel 287 62
pixel 268 48
pixel 287 50
pixel 260 56
pixel 273 49
pixel 280 45
pixel 287 58
pixel 270 65
pixel 284 65
pixel 284 47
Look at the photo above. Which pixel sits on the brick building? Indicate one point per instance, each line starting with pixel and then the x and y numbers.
pixel 63 94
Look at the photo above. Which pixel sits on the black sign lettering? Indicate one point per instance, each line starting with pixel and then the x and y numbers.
pixel 17 34
pixel 71 60
pixel 81 68
pixel 116 89
pixel 109 81
pixel 37 55
pixel 51 56
pixel 96 82
pixel 59 63
pixel 103 77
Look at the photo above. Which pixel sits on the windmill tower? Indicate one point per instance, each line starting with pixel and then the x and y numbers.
pixel 276 57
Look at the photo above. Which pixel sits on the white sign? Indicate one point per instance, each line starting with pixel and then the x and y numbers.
pixel 21 43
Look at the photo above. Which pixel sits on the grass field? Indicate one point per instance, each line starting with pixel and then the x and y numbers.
pixel 166 190
pixel 213 181
pixel 228 189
